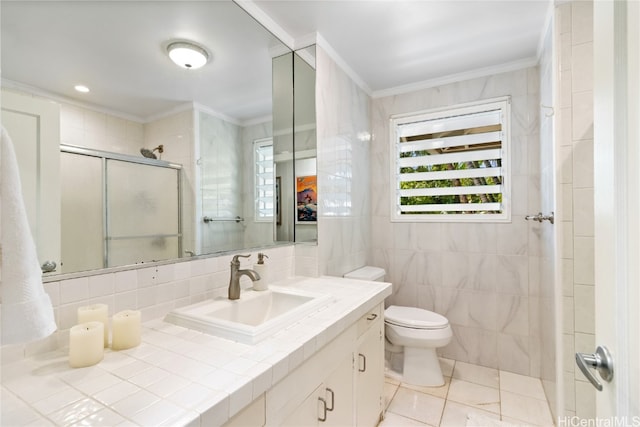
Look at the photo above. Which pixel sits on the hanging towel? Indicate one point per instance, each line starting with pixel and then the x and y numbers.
pixel 27 313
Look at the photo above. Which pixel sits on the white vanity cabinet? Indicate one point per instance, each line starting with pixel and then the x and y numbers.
pixel 369 369
pixel 340 385
pixel 330 404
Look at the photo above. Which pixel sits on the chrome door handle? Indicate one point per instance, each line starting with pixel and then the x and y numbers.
pixel 601 361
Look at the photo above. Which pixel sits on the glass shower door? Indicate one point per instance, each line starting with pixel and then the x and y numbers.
pixel 143 213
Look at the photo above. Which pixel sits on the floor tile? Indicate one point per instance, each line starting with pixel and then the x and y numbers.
pixel 389 392
pixel 521 384
pixel 527 409
pixel 476 395
pixel 440 392
pixel 447 366
pixel 395 420
pixel 417 406
pixel 455 414
pixel 493 399
pixel 477 374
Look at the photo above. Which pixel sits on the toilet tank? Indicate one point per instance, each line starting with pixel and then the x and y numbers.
pixel 374 274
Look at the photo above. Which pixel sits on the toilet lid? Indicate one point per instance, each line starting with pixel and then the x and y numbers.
pixel 413 317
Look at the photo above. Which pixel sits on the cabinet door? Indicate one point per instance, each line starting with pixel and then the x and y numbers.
pixel 309 412
pixel 370 376
pixel 338 393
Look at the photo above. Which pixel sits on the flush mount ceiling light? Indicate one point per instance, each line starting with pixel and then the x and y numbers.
pixel 187 55
pixel 81 88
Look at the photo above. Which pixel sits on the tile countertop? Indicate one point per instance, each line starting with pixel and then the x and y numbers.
pixel 178 376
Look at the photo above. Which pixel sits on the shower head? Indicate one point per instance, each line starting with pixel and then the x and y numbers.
pixel 150 153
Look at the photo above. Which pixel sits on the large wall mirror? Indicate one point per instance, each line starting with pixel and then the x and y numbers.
pixel 155 158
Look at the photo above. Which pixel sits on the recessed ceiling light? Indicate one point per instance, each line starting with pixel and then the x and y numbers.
pixel 187 54
pixel 81 88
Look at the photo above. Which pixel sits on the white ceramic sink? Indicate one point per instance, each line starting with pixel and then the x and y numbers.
pixel 252 318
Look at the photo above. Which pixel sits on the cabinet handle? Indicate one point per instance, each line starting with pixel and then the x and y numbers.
pixel 372 316
pixel 332 399
pixel 323 417
pixel 364 362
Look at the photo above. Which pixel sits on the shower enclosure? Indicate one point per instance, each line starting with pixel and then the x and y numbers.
pixel 117 209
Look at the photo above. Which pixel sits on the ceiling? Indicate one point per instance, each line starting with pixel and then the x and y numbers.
pixel 399 45
pixel 117 49
pixel 389 46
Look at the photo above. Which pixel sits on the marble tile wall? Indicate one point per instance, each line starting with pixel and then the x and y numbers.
pixel 343 129
pixel 153 290
pixel 482 277
pixel 546 298
pixel 575 151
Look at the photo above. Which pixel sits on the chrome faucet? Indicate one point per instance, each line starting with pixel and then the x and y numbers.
pixel 236 273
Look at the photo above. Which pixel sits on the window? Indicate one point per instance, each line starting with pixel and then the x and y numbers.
pixel 263 171
pixel 453 164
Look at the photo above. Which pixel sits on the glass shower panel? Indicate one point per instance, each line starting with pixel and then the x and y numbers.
pixel 82 207
pixel 143 213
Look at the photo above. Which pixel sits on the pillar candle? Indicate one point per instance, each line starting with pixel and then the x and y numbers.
pixel 126 329
pixel 98 313
pixel 86 344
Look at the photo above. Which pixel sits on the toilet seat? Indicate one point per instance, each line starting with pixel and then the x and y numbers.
pixel 415 318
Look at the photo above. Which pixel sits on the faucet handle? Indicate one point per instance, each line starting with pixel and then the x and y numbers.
pixel 235 258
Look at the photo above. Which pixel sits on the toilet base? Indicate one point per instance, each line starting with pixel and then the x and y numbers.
pixel 422 367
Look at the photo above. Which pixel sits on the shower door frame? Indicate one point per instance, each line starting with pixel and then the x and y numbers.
pixel 107 155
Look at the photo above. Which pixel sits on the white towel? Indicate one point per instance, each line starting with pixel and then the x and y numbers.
pixel 27 313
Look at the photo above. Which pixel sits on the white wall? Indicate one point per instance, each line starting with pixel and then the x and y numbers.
pixel 343 126
pixel 482 277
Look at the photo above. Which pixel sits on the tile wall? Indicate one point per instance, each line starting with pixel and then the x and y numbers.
pixel 343 128
pixel 482 277
pixel 152 290
pixel 575 148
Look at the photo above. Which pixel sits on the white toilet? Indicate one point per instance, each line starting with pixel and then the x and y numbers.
pixel 419 332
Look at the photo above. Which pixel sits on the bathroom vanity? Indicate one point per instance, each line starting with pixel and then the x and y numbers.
pixel 324 369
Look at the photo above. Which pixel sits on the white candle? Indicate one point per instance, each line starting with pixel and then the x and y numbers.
pixel 86 344
pixel 126 329
pixel 98 313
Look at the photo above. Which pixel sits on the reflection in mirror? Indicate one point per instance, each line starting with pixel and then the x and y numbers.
pixel 305 170
pixel 206 120
pixel 283 146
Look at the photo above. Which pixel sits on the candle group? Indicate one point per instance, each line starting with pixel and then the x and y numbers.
pixel 98 313
pixel 86 346
pixel 90 336
pixel 125 329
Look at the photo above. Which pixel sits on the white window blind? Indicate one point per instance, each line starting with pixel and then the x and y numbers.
pixel 264 181
pixel 453 164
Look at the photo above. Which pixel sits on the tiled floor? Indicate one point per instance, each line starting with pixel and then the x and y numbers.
pixel 488 394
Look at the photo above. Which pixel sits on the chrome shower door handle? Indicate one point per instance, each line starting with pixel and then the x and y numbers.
pixel 601 361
